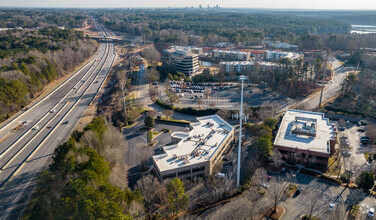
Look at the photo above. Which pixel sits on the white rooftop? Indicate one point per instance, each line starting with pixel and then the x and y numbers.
pixel 197 145
pixel 312 131
pixel 244 63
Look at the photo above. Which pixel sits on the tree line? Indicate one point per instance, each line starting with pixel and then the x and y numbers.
pixel 31 59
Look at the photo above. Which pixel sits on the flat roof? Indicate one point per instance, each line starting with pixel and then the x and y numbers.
pixel 324 131
pixel 195 146
pixel 262 63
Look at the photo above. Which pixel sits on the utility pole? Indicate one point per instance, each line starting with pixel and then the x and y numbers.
pixel 322 90
pixel 242 78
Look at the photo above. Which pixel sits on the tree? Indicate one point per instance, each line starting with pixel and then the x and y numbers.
pixel 152 75
pixel 276 192
pixel 365 180
pixel 172 97
pixel 177 198
pixel 259 176
pixel 168 113
pixel 149 122
pixel 144 153
pixel 264 146
pixel 151 54
pixel 349 83
pixel 271 122
pixel 153 191
pixel 276 156
pixel 199 102
pixel 153 92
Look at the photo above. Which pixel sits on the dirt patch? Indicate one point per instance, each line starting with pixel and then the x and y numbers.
pixel 270 214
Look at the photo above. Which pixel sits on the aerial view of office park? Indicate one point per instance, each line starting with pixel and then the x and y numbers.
pixel 188 110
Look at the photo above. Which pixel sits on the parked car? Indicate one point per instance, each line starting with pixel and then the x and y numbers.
pixel 264 185
pixel 52 111
pixel 341 128
pixel 364 138
pixel 361 130
pixel 283 170
pixel 36 127
pixel 331 206
pixel 346 153
pixel 65 122
pixel 371 212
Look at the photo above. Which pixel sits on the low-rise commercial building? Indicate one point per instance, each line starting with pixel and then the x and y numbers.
pixel 306 137
pixel 276 55
pixel 196 152
pixel 236 66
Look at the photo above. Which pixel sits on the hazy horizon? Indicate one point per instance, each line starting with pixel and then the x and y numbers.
pixel 241 4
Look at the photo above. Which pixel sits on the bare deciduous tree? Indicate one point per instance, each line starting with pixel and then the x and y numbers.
pixel 144 153
pixel 259 176
pixel 276 192
pixel 277 158
pixel 153 191
pixel 168 113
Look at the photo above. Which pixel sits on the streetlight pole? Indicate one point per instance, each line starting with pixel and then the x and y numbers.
pixel 242 78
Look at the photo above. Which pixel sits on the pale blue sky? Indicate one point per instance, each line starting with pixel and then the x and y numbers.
pixel 282 4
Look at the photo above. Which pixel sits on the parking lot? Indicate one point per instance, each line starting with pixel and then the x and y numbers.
pixel 224 95
pixel 353 134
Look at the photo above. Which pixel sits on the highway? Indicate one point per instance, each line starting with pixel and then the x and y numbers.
pixel 30 138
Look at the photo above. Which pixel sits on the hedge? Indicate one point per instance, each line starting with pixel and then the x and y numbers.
pixel 188 110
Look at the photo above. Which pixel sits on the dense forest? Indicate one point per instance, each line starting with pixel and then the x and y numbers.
pixel 33 18
pixel 31 59
pixel 211 27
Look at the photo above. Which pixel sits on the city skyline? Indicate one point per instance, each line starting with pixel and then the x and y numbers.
pixel 268 4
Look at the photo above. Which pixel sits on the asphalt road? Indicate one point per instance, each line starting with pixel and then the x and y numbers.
pixel 330 89
pixel 27 151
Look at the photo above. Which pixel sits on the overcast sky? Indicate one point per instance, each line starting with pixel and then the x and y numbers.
pixel 282 4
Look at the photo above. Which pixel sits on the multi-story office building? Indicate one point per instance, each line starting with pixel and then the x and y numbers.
pixel 183 59
pixel 306 137
pixel 236 66
pixel 232 55
pixel 197 151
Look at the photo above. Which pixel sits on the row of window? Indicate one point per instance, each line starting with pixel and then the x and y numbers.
pixel 184 172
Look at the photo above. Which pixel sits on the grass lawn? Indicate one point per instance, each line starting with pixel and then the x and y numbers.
pixel 333 166
pixel 164 118
pixel 290 190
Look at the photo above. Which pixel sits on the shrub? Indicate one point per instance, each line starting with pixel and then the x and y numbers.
pixel 270 122
pixel 149 122
pixel 365 180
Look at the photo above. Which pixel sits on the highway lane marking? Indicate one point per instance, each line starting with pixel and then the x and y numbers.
pixel 19 168
pixel 24 161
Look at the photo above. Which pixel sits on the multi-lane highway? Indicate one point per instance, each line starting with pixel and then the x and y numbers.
pixel 29 139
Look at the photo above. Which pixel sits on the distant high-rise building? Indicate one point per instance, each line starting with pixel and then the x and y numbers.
pixel 200 6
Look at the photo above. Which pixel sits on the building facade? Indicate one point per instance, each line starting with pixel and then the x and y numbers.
pixel 197 152
pixel 232 55
pixel 306 137
pixel 183 59
pixel 276 55
pixel 237 67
